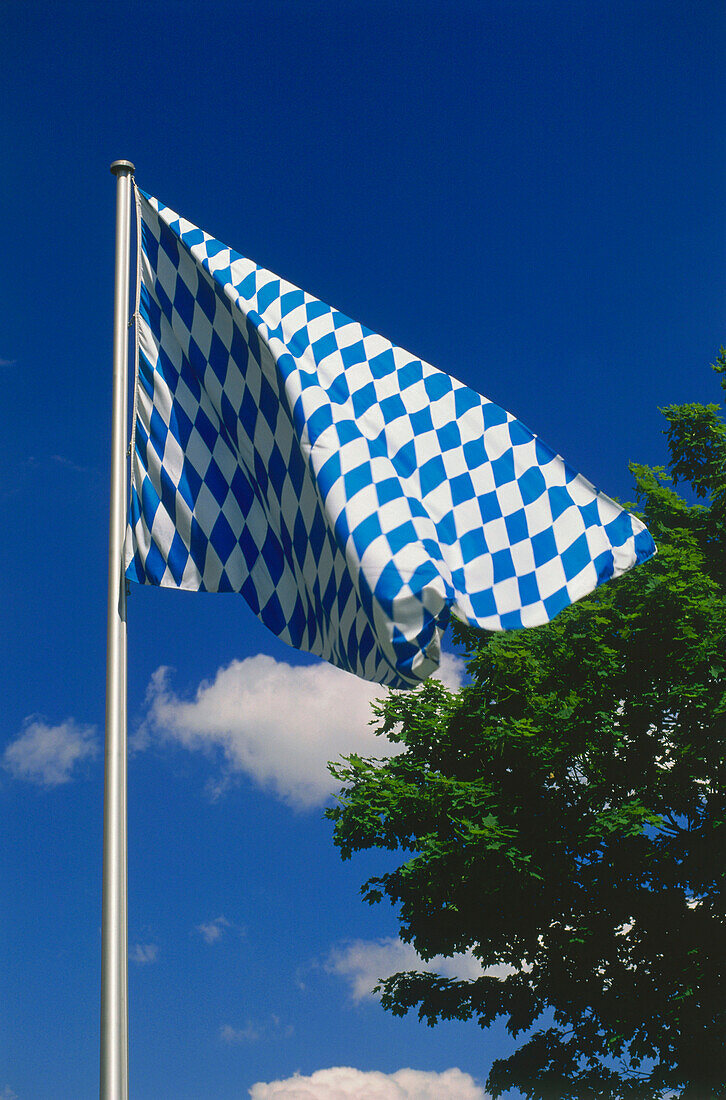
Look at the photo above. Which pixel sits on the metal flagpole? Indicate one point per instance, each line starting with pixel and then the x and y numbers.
pixel 114 950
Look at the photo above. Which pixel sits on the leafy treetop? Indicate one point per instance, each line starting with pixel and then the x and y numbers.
pixel 563 815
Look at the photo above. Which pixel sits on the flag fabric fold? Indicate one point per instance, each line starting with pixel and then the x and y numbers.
pixel 355 495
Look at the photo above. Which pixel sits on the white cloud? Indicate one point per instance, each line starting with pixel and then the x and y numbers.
pixel 47 755
pixel 248 1034
pixel 341 1082
pixel 253 1031
pixel 277 723
pixel 69 464
pixel 363 963
pixel 213 930
pixel 144 953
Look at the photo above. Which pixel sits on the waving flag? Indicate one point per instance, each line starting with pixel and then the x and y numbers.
pixel 353 494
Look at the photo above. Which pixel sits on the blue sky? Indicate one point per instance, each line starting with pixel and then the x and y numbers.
pixel 528 195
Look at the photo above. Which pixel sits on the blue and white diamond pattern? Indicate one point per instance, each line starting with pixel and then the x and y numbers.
pixel 353 494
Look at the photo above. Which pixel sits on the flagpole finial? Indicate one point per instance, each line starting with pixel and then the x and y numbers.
pixel 120 166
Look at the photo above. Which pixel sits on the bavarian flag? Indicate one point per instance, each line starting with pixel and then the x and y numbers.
pixel 356 496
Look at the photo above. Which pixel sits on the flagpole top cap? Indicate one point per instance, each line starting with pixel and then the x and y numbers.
pixel 120 166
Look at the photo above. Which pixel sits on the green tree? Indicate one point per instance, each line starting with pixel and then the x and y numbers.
pixel 564 815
